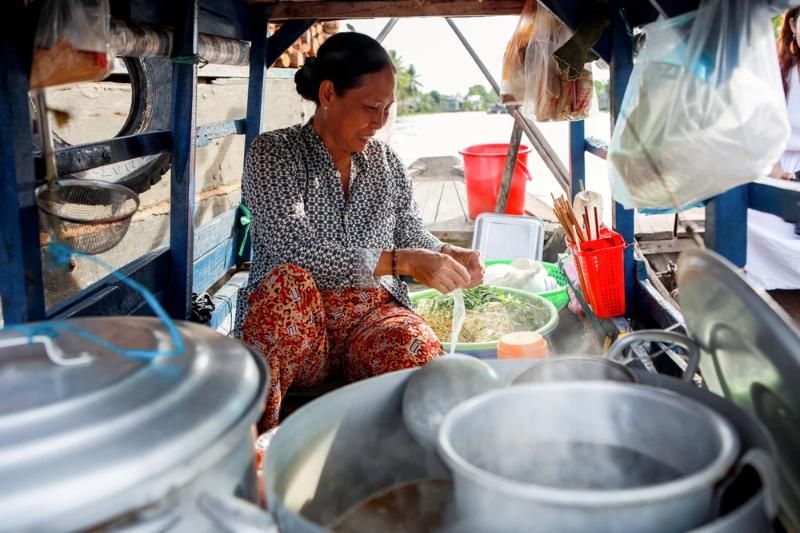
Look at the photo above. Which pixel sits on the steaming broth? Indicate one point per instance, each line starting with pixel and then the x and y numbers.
pixel 413 507
pixel 601 467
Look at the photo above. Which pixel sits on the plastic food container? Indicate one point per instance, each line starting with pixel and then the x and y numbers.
pixel 522 345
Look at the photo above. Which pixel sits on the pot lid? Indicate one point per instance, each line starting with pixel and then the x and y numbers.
pixel 750 354
pixel 81 444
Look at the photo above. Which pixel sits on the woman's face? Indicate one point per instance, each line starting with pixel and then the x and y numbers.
pixel 793 26
pixel 352 119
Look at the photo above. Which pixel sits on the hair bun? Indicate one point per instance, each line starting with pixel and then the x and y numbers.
pixel 305 80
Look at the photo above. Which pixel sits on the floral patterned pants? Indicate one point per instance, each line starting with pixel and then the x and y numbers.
pixel 307 334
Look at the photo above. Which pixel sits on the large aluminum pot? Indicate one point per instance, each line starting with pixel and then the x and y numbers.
pixel 92 439
pixel 586 456
pixel 351 443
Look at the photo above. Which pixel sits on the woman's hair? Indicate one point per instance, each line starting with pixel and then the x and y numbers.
pixel 344 59
pixel 788 51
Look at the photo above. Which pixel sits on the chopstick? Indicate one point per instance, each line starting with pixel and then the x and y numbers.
pixel 569 222
pixel 596 223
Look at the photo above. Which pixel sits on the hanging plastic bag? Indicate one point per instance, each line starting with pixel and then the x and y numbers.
pixel 72 43
pixel 512 87
pixel 550 93
pixel 704 110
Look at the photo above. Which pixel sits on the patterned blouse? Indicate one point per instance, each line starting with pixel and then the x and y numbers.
pixel 300 215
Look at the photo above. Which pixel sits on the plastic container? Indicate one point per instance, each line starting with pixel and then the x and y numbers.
pixel 522 345
pixel 488 350
pixel 602 273
pixel 558 297
pixel 483 172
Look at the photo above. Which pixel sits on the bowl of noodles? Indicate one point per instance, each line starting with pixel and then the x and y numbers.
pixel 491 312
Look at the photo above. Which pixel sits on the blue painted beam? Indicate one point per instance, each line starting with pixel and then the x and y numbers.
pixel 224 314
pixel 80 157
pixel 218 130
pixel 726 225
pixel 151 270
pixel 214 265
pixel 621 66
pixel 182 187
pixel 208 237
pixel 223 18
pixel 778 201
pixel 109 296
pixel 256 87
pixel 577 157
pixel 21 288
pixel 597 147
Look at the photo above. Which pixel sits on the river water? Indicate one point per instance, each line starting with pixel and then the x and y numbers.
pixel 444 134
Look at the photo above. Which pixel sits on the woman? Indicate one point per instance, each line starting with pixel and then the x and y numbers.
pixel 334 226
pixel 773 247
pixel 788 58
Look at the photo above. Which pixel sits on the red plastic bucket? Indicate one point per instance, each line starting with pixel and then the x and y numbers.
pixel 483 172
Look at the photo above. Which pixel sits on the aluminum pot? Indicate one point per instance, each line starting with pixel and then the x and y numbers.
pixel 344 447
pixel 583 456
pixel 91 439
pixel 576 368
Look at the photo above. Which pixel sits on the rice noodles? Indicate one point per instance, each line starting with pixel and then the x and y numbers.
pixel 491 313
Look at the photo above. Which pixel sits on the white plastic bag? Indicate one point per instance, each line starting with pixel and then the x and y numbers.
pixel 72 43
pixel 512 86
pixel 522 274
pixel 704 110
pixel 549 93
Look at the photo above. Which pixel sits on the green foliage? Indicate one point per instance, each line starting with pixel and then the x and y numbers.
pixel 777 22
pixel 412 99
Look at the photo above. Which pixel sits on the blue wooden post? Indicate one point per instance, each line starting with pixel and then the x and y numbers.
pixel 20 260
pixel 257 85
pixel 256 91
pixel 726 225
pixel 184 111
pixel 577 157
pixel 621 66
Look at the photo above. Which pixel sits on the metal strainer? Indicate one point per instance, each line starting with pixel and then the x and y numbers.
pixel 89 216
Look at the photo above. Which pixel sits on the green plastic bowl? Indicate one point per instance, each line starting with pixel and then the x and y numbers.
pixel 558 297
pixel 489 349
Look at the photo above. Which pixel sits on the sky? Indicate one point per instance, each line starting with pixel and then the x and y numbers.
pixel 442 62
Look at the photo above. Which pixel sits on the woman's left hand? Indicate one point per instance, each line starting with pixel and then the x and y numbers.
pixel 470 259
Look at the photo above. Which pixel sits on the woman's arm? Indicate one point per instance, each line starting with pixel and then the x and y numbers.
pixel 410 231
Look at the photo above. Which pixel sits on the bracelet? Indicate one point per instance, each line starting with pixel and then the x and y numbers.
pixel 394 262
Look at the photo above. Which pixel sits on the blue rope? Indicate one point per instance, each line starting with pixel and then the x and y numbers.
pixel 61 255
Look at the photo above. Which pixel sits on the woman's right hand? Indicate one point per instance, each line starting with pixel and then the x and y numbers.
pixel 438 271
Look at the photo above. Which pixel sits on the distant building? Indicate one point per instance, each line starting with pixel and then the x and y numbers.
pixel 475 101
pixel 454 103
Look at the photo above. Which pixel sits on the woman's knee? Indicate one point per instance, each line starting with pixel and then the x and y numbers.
pixel 396 343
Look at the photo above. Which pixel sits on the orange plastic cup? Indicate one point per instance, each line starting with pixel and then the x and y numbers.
pixel 522 345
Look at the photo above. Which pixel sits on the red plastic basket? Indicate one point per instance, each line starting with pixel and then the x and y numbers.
pixel 601 268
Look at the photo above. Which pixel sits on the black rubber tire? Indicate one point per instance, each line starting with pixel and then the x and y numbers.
pixel 151 109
